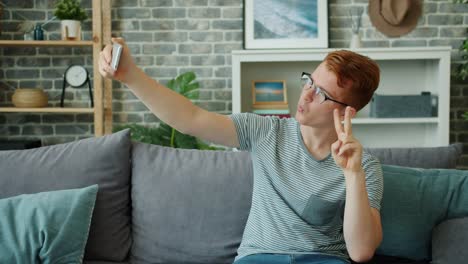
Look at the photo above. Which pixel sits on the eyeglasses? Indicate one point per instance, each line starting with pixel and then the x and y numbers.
pixel 307 83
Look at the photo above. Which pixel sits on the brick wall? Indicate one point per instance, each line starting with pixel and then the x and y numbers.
pixel 168 37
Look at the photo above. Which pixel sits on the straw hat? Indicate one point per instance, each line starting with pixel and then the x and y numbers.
pixel 395 17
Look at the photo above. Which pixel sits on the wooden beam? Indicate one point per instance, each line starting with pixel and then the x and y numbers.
pixel 97 39
pixel 106 37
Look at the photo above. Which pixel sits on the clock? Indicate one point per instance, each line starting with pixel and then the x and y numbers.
pixel 76 76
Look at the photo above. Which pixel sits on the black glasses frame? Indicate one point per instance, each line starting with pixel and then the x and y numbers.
pixel 327 97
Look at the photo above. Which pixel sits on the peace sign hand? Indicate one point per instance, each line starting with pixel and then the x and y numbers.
pixel 346 151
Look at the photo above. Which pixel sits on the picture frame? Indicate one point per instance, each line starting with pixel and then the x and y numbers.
pixel 277 24
pixel 269 94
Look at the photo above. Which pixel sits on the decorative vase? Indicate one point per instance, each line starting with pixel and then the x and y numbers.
pixel 29 98
pixel 355 42
pixel 71 29
pixel 38 33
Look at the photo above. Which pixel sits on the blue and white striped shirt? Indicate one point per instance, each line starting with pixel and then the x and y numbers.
pixel 298 201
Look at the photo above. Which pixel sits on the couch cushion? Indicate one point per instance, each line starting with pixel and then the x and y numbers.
pixel 47 227
pixel 380 259
pixel 104 262
pixel 414 202
pixel 103 161
pixel 425 157
pixel 449 241
pixel 188 206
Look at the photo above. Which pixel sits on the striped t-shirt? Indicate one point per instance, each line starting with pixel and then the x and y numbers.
pixel 298 201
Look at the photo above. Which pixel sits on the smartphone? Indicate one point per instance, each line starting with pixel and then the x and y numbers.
pixel 116 52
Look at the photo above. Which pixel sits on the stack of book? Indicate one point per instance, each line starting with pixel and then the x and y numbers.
pixel 281 113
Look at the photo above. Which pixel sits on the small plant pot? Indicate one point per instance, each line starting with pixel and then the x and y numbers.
pixel 71 29
pixel 29 98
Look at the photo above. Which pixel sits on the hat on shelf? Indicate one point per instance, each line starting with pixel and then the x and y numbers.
pixel 395 17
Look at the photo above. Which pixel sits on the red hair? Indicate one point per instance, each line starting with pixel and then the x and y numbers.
pixel 359 74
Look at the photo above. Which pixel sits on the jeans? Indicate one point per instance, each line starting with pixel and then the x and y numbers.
pixel 290 259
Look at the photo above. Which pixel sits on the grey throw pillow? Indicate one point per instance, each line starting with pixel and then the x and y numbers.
pixel 449 240
pixel 188 206
pixel 421 157
pixel 104 161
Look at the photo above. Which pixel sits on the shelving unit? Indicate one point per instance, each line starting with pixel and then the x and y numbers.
pixel 411 120
pixel 404 71
pixel 99 7
pixel 44 43
pixel 47 110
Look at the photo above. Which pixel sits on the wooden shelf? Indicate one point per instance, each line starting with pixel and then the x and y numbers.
pixel 43 43
pixel 69 110
pixel 101 31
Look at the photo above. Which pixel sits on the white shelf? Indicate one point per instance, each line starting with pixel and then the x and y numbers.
pixel 409 53
pixel 364 121
pixel 404 71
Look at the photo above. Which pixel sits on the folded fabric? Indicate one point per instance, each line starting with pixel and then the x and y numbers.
pixel 47 227
pixel 414 202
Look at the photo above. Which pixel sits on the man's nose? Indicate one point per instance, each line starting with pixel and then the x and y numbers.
pixel 309 96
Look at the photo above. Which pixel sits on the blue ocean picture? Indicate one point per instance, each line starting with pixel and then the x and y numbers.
pixel 269 92
pixel 279 19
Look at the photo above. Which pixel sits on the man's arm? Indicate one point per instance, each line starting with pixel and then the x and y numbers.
pixel 167 105
pixel 361 225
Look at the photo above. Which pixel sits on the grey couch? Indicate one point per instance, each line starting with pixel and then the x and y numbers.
pixel 162 205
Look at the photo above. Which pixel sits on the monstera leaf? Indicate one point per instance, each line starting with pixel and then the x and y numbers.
pixel 165 135
pixel 184 84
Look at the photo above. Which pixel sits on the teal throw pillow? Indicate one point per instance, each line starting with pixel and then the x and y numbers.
pixel 48 227
pixel 414 202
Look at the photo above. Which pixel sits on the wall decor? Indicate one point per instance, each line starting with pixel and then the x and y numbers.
pixel 277 24
pixel 269 94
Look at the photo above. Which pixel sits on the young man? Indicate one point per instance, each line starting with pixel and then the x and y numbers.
pixel 316 195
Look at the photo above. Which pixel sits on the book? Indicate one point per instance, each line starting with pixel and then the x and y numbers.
pixel 271 111
pixel 270 106
pixel 278 115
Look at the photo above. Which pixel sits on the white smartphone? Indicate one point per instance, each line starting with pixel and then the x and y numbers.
pixel 116 52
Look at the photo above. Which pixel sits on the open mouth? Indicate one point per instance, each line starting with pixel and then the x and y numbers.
pixel 300 109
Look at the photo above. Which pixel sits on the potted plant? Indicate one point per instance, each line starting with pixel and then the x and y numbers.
pixel 165 135
pixel 71 14
pixel 462 69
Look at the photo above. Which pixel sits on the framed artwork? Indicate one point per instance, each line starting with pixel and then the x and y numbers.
pixel 279 24
pixel 269 94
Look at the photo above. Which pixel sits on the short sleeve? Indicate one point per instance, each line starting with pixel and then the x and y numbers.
pixel 374 181
pixel 251 129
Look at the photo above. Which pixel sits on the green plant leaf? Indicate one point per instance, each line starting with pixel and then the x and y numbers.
pixel 165 135
pixel 192 95
pixel 465 115
pixel 165 132
pixel 187 77
pixel 185 141
pixel 191 87
pixel 171 84
pixel 70 9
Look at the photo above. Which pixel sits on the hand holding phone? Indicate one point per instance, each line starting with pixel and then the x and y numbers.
pixel 116 52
